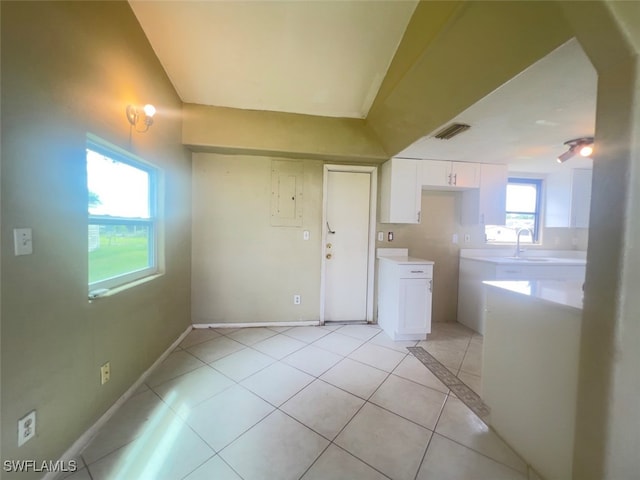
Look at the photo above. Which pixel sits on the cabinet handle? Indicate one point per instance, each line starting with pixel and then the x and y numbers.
pixel 449 179
pixel 419 216
pixel 431 286
pixel 417 271
pixel 455 178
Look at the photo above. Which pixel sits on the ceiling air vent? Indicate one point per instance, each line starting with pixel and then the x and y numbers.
pixel 451 131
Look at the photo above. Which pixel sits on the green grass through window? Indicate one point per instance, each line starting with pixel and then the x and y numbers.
pixel 118 255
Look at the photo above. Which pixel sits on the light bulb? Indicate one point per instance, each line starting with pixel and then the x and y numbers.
pixel 149 110
pixel 586 150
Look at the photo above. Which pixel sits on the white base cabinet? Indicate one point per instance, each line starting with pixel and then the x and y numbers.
pixel 472 272
pixel 405 287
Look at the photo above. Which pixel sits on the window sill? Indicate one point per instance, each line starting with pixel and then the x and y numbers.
pixel 109 292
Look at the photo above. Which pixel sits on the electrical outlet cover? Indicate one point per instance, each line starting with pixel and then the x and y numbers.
pixel 26 428
pixel 105 373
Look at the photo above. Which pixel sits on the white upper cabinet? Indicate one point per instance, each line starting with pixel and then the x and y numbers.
pixel 568 198
pixel 399 191
pixel 581 198
pixel 483 187
pixel 445 175
pixel 486 205
pixel 434 173
pixel 465 174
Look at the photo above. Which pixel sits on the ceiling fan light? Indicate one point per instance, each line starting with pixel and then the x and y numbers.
pixel 566 155
pixel 582 146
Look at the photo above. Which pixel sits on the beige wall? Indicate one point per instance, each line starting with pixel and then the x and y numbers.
pixel 224 130
pixel 432 240
pixel 608 419
pixel 102 61
pixel 455 53
pixel 244 269
pixel 482 45
pixel 69 69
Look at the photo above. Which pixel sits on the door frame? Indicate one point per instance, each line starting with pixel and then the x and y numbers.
pixel 373 196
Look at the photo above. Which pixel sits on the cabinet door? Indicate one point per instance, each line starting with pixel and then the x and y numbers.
pixel 400 193
pixel 558 199
pixel 415 306
pixel 434 173
pixel 581 198
pixel 568 198
pixel 493 194
pixel 465 175
pixel 486 205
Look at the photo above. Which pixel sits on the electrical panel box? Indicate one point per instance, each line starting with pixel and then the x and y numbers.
pixel 287 177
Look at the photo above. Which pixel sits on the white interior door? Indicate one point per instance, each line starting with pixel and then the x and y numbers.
pixel 347 245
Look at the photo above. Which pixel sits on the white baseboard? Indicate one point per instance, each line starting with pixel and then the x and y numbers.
pixel 87 436
pixel 305 323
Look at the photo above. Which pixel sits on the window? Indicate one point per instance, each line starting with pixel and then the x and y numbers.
pixel 523 211
pixel 122 198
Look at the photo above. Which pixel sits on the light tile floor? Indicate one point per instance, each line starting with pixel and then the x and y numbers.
pixel 306 403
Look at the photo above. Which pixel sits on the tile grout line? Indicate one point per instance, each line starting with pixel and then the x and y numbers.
pixel 457 442
pixel 313 376
pixel 471 399
pixel 433 433
pixel 124 444
pixel 331 442
pixel 205 461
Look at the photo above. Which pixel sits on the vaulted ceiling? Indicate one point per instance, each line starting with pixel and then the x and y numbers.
pixel 329 58
pixel 324 58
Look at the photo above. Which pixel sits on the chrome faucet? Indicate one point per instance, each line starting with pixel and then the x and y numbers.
pixel 518 251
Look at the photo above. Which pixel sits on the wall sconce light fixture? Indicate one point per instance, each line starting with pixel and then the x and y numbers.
pixel 578 146
pixel 144 115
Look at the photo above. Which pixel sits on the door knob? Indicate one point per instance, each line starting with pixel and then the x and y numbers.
pixel 328 256
pixel 329 245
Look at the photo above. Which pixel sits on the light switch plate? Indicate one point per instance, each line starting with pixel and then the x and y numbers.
pixel 22 241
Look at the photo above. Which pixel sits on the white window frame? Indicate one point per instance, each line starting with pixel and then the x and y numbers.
pixel 117 154
pixel 517 180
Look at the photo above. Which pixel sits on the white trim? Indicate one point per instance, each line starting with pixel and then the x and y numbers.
pixel 93 430
pixel 305 323
pixel 373 201
pixel 114 153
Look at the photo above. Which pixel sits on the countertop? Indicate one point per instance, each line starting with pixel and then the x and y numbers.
pixel 566 293
pixel 529 260
pixel 505 256
pixel 400 256
pixel 406 260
